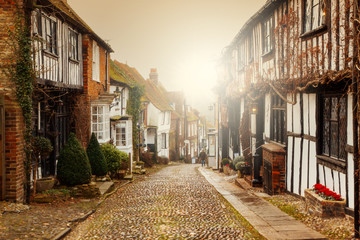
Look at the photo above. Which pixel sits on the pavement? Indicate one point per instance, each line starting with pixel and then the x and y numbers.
pixel 270 221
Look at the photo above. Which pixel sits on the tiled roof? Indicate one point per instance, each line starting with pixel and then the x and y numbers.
pixel 157 96
pixel 119 75
pixel 153 93
pixel 190 116
pixel 68 13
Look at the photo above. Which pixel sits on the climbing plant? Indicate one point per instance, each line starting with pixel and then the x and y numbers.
pixel 21 72
pixel 134 108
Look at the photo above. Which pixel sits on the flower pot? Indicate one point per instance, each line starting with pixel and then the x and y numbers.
pixel 44 184
pixel 320 207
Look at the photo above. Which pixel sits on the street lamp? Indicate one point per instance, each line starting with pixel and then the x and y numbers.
pixel 138 127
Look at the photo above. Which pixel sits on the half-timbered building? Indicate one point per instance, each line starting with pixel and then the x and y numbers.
pixel 71 72
pixel 288 73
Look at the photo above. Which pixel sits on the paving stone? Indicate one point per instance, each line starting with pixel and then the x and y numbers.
pixel 175 203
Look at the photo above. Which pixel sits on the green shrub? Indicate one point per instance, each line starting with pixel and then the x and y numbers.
pixel 239 165
pixel 225 161
pixel 238 159
pixel 124 160
pixel 231 165
pixel 96 157
pixel 73 164
pixel 115 159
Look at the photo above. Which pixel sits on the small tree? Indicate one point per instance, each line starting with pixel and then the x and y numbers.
pixel 96 157
pixel 73 165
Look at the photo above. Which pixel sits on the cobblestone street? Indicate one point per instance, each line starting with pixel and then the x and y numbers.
pixel 175 203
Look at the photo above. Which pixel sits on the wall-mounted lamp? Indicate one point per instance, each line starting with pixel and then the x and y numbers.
pixel 254 108
pixel 117 92
pixel 241 90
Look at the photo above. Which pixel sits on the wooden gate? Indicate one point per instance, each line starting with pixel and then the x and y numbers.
pixel 267 178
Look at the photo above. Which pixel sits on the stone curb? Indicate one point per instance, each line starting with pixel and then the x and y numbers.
pixel 67 230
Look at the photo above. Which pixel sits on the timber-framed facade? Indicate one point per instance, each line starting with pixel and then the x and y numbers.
pixel 289 72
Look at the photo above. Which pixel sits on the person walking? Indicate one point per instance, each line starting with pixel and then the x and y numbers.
pixel 203 157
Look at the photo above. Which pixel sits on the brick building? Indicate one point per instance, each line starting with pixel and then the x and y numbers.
pixel 71 66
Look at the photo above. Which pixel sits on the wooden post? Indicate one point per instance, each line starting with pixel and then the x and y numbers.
pixel 355 102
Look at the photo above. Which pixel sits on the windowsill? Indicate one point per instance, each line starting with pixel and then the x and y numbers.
pixel 331 162
pixel 268 53
pixel 74 60
pixel 46 52
pixel 313 32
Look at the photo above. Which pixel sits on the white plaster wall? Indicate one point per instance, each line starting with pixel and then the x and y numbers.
pixel 297 116
pixel 305 167
pixel 289 110
pixel 267 115
pixel 306 113
pixel 152 115
pixel 350 139
pixel 350 179
pixel 312 114
pixel 289 163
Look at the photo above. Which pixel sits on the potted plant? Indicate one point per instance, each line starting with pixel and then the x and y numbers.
pixel 42 148
pixel 243 168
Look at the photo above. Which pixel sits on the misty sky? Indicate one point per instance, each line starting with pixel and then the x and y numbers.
pixel 181 38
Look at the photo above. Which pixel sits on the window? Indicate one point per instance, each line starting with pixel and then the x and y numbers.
pixel 50 35
pixel 100 123
pixel 333 130
pixel 73 45
pixel 163 141
pixel 96 63
pixel 267 35
pixel 251 48
pixel 313 14
pixel 121 134
pixel 278 110
pixel 241 57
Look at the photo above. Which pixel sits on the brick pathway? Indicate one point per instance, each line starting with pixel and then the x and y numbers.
pixel 175 203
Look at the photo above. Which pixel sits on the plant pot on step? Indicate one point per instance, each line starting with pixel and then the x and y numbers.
pixel 44 184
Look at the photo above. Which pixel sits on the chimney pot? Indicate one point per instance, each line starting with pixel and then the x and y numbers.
pixel 154 75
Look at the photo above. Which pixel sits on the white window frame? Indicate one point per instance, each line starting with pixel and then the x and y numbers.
pixel 96 62
pixel 100 122
pixel 121 134
pixel 163 141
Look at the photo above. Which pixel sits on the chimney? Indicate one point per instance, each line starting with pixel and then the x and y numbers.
pixel 154 75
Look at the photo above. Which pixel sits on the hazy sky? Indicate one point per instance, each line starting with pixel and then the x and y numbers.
pixel 181 38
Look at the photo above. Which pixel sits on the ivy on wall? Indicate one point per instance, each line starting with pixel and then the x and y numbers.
pixel 133 109
pixel 21 72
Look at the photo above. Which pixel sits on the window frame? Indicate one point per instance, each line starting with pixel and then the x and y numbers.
pixel 120 130
pixel 73 45
pixel 105 125
pixel 278 120
pixel 308 18
pixel 341 156
pixel 95 62
pixel 163 141
pixel 50 38
pixel 267 36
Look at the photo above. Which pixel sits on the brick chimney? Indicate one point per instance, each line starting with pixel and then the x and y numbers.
pixel 154 75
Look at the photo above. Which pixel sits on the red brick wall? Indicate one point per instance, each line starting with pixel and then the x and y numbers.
pixel 14 125
pixel 92 89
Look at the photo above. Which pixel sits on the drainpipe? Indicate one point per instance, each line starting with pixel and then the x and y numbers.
pixel 106 70
pixel 355 102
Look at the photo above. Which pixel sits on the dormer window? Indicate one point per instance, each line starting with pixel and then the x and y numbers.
pixel 314 14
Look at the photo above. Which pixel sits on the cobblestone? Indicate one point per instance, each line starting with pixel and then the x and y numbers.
pixel 175 203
